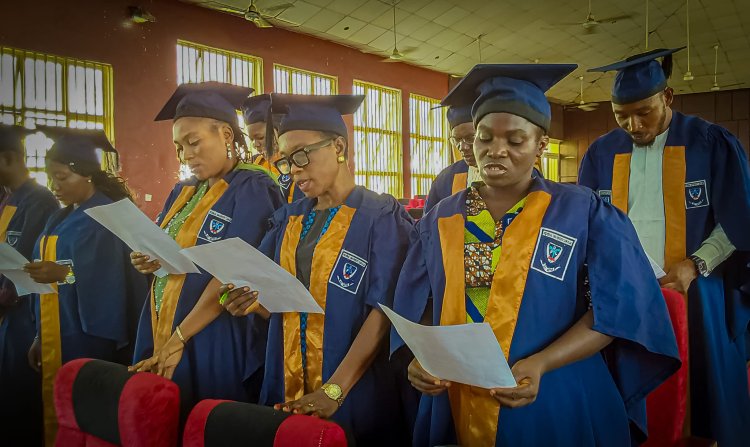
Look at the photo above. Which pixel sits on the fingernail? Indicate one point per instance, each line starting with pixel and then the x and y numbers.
pixel 246 289
pixel 230 287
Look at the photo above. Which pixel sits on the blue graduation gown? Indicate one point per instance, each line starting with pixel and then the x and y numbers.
pixel 450 181
pixel 98 313
pixel 714 189
pixel 354 269
pixel 24 217
pixel 536 296
pixel 225 359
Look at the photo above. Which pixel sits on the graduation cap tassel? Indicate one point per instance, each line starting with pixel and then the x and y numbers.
pixel 666 66
pixel 270 135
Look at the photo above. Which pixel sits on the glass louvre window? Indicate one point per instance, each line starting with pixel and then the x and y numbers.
pixel 429 146
pixel 302 82
pixel 377 143
pixel 551 161
pixel 43 89
pixel 201 63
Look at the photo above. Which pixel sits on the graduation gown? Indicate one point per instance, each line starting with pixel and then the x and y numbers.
pixel 288 187
pixel 537 294
pixel 354 269
pixel 22 220
pixel 96 316
pixel 225 359
pixel 706 182
pixel 450 181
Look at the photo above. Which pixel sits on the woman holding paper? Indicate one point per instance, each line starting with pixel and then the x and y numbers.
pixel 98 294
pixel 225 198
pixel 559 276
pixel 345 244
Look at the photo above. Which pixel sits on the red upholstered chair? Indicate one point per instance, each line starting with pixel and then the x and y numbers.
pixel 667 405
pixel 101 404
pixel 219 422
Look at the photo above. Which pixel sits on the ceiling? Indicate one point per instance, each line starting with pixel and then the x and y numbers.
pixel 442 35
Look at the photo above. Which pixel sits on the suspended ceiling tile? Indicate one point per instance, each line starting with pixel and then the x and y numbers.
pixel 434 9
pixel 345 6
pixel 451 16
pixel 299 13
pixel 346 27
pixel 368 33
pixel 370 9
pixel 323 20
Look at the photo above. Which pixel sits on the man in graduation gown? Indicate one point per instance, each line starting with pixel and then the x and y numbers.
pixel 460 174
pixel 559 275
pixel 21 221
pixel 685 184
pixel 255 112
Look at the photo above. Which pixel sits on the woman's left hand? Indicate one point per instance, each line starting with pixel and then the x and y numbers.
pixel 528 373
pixel 164 361
pixel 316 403
pixel 46 272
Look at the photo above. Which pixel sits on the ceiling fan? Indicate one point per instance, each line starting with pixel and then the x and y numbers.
pixel 395 55
pixel 581 104
pixel 591 23
pixel 252 14
pixel 715 87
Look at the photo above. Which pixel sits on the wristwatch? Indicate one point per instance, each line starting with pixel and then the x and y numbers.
pixel 334 392
pixel 700 265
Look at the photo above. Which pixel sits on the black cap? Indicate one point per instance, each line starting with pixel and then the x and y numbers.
pixel 216 100
pixel 511 88
pixel 314 112
pixel 640 76
pixel 77 147
pixel 255 109
pixel 11 137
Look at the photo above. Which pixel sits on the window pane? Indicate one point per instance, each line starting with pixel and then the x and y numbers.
pixel 377 139
pixel 430 150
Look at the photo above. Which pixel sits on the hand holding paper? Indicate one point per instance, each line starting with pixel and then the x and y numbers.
pixel 464 353
pixel 237 262
pixel 11 266
pixel 135 229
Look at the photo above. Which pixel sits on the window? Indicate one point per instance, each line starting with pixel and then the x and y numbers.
pixel 38 88
pixel 428 137
pixel 201 63
pixel 551 161
pixel 377 139
pixel 302 82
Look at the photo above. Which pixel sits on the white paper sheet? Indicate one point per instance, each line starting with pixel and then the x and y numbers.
pixel 11 265
pixel 658 271
pixel 464 353
pixel 237 262
pixel 127 222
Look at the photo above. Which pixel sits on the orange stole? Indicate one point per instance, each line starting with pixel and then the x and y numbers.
pixel 459 182
pixel 324 257
pixel 475 412
pixel 49 314
pixel 8 212
pixel 673 185
pixel 186 237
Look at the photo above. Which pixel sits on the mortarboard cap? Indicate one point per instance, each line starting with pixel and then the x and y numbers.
pixel 216 100
pixel 459 114
pixel 255 109
pixel 11 137
pixel 640 76
pixel 512 88
pixel 312 112
pixel 77 147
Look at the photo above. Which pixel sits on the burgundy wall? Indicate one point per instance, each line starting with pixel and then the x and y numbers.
pixel 143 58
pixel 730 109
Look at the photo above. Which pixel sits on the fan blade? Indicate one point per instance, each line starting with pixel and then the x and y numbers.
pixel 591 30
pixel 272 9
pixel 260 22
pixel 615 18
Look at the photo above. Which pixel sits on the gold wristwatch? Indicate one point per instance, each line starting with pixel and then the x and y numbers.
pixel 334 392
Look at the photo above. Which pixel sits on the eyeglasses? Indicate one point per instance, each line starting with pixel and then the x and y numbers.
pixel 458 142
pixel 299 157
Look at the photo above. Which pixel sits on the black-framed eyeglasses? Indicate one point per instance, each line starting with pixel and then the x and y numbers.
pixel 458 142
pixel 299 157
